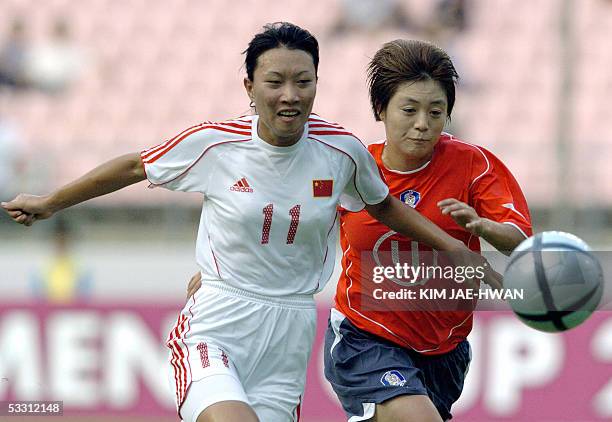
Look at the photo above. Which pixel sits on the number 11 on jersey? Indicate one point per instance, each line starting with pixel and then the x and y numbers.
pixel 268 211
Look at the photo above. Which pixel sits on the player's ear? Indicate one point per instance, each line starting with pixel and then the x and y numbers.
pixel 248 85
pixel 382 115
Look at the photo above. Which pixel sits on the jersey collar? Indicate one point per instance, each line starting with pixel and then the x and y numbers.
pixel 398 171
pixel 263 144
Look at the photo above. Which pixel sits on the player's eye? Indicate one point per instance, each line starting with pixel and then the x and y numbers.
pixel 273 82
pixel 436 113
pixel 304 81
pixel 409 110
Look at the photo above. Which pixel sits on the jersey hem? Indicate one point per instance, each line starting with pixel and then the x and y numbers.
pixel 298 301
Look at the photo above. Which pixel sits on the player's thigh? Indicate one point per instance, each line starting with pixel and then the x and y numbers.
pixel 445 376
pixel 228 411
pixel 276 384
pixel 214 396
pixel 405 408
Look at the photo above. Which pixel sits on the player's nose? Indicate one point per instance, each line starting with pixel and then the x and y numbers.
pixel 421 123
pixel 290 94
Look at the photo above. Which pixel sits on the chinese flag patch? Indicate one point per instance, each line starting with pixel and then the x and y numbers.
pixel 322 188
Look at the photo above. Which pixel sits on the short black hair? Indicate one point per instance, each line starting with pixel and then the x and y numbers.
pixel 280 34
pixel 402 61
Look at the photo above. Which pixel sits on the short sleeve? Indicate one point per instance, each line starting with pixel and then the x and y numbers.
pixel 177 163
pixel 495 194
pixel 365 185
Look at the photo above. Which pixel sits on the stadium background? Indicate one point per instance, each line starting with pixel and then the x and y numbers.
pixel 86 299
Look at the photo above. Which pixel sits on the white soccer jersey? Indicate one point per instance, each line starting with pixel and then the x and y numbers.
pixel 269 218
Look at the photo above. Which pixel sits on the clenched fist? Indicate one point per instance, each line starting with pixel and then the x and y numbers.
pixel 26 209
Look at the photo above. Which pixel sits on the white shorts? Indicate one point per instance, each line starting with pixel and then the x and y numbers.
pixel 229 344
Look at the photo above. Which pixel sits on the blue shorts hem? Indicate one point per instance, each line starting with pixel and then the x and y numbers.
pixel 394 394
pixel 381 399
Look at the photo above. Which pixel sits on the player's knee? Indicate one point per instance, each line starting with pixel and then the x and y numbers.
pixel 228 411
pixel 407 409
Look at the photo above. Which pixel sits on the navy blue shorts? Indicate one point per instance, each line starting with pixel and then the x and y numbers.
pixel 365 369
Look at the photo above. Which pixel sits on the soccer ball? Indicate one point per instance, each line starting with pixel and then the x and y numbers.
pixel 561 281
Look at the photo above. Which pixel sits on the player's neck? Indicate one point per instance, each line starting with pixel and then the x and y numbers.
pixel 395 160
pixel 266 135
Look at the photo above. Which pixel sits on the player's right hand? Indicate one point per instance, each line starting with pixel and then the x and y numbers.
pixel 26 209
pixel 194 284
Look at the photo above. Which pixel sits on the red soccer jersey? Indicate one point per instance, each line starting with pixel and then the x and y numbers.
pixel 457 170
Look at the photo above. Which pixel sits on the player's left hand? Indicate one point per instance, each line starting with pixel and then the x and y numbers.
pixel 194 284
pixel 469 258
pixel 463 214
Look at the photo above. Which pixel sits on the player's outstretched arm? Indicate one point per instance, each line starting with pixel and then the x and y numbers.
pixel 106 178
pixel 502 237
pixel 412 224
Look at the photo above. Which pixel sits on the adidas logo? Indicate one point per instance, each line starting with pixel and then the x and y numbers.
pixel 241 186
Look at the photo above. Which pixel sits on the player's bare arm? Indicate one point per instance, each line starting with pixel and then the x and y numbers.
pixel 503 237
pixel 106 178
pixel 412 224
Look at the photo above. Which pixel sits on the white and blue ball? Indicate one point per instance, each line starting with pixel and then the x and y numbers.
pixel 560 277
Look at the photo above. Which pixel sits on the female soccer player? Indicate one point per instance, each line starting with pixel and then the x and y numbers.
pixel 384 361
pixel 271 184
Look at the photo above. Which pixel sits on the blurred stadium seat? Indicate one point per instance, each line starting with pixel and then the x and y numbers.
pixel 153 70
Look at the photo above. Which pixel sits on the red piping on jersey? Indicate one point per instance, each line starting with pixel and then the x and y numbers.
pixel 323 125
pixel 298 409
pixel 199 158
pixel 176 369
pixel 146 153
pixel 174 361
pixel 328 232
pixel 214 257
pixel 182 374
pixel 187 382
pixel 327 247
pixel 144 167
pixel 351 135
pixel 178 358
pixel 335 129
pixel 247 118
pixel 336 125
pixel 184 378
pixel 239 132
pixel 169 144
pixel 164 150
pixel 328 132
pixel 236 125
pixel 349 156
pixel 177 140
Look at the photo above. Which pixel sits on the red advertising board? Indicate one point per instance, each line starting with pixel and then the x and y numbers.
pixel 110 359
